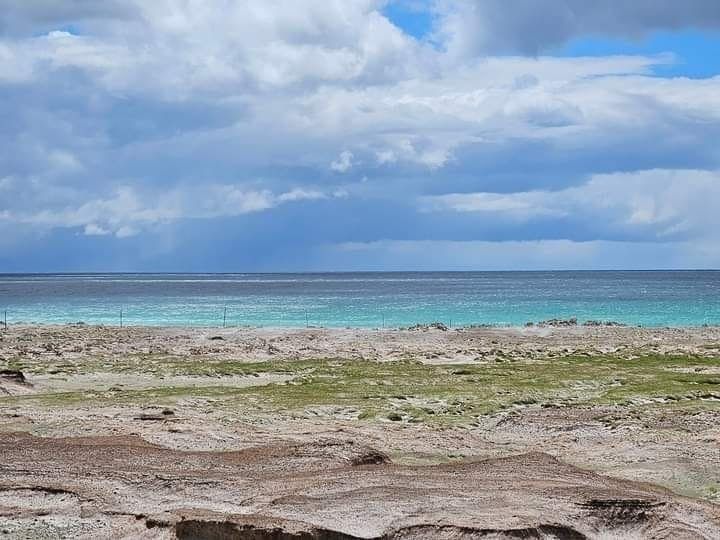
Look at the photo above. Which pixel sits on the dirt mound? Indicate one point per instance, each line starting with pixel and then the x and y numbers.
pixel 317 491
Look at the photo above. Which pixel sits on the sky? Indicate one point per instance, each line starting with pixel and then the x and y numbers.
pixel 340 135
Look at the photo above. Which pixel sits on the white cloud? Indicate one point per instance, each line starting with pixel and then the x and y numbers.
pixel 519 255
pixel 519 205
pixel 128 211
pixel 126 232
pixel 343 163
pixel 64 161
pixel 668 202
pixel 423 121
pixel 14 68
pixel 386 156
pixel 91 229
pixel 313 73
pixel 301 195
pixel 180 48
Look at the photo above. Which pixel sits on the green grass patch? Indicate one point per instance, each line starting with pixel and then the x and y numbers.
pixel 408 391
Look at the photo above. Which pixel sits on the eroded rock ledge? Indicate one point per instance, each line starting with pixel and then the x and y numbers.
pixel 106 486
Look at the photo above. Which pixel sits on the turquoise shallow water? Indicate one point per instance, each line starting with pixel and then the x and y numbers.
pixel 682 298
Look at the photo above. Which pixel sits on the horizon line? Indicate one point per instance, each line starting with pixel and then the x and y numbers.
pixel 281 272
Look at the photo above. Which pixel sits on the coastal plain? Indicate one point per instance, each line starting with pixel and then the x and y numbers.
pixel 546 431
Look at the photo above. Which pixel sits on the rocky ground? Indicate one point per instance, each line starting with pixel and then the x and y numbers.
pixel 554 431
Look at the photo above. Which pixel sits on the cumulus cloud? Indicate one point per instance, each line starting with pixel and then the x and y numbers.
pixel 563 101
pixel 474 27
pixel 112 110
pixel 180 48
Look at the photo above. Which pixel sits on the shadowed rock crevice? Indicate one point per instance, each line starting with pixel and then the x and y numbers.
pixel 618 512
pixel 13 381
pixel 12 375
pixel 439 532
pixel 225 530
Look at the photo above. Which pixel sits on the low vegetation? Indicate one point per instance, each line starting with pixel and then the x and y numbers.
pixel 405 391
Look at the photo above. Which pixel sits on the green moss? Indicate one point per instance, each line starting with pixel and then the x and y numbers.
pixel 458 394
pixel 417 392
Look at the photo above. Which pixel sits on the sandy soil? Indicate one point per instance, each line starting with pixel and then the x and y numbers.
pixel 163 433
pixel 454 346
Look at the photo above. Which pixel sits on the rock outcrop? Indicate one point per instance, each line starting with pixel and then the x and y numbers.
pixel 107 486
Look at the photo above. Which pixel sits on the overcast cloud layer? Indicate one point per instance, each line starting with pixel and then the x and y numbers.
pixel 319 134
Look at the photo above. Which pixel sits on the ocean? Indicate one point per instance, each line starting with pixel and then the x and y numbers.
pixel 368 300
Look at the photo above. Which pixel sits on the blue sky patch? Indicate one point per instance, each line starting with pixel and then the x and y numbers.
pixel 413 16
pixel 697 53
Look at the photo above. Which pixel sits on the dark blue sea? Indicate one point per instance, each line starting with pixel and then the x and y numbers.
pixel 659 298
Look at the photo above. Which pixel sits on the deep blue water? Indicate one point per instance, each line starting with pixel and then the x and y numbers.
pixel 661 298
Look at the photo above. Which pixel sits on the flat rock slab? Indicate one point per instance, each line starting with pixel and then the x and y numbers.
pixel 123 486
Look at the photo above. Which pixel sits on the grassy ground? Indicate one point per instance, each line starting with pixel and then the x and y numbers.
pixel 400 391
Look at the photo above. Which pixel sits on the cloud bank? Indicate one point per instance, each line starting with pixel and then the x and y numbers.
pixel 302 131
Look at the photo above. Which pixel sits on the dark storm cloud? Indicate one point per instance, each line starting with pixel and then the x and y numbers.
pixel 40 16
pixel 531 27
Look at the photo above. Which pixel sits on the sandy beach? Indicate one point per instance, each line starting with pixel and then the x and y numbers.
pixel 548 431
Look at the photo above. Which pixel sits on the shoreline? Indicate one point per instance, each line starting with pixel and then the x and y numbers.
pixel 426 344
pixel 552 323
